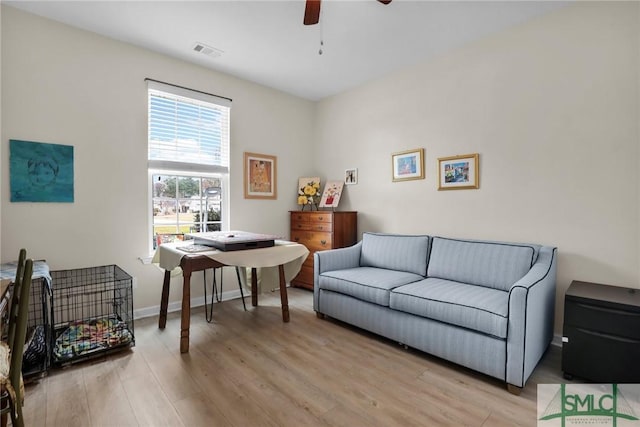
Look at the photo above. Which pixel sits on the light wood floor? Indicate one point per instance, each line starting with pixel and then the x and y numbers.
pixel 251 369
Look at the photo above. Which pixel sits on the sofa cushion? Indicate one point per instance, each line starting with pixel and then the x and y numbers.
pixel 492 264
pixel 395 252
pixel 473 307
pixel 366 283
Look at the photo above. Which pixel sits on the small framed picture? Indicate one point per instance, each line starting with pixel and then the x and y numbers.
pixel 458 172
pixel 408 165
pixel 260 176
pixel 351 176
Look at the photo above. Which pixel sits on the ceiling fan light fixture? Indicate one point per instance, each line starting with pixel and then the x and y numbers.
pixel 312 11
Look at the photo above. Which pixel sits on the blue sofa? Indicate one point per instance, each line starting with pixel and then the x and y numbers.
pixel 485 305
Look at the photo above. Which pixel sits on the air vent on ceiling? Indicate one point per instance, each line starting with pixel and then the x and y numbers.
pixel 207 50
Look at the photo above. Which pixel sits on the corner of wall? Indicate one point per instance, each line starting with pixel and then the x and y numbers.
pixel 1 135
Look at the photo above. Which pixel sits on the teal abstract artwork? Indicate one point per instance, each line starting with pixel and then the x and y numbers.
pixel 40 172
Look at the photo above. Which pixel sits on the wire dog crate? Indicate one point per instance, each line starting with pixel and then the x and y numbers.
pixel 37 346
pixel 36 357
pixel 92 313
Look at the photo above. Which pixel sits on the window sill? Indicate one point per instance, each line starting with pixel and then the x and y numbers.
pixel 146 259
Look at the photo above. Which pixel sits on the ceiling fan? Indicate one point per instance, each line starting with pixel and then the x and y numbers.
pixel 312 11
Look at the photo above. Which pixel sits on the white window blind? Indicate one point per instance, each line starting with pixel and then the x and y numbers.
pixel 188 130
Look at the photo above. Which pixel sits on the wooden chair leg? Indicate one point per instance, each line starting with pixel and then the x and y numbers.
pixel 15 412
pixel 16 416
pixel 3 420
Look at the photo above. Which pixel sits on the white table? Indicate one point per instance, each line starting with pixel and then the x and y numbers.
pixel 288 257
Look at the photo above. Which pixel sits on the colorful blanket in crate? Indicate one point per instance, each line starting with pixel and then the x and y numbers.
pixel 87 336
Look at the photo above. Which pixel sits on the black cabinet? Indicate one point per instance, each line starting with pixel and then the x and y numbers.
pixel 601 336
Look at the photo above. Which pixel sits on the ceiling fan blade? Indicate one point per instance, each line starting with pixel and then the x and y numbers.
pixel 385 1
pixel 312 12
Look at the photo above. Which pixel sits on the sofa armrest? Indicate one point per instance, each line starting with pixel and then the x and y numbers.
pixel 531 317
pixel 337 259
pixel 334 259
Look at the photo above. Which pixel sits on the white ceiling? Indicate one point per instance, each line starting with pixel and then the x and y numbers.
pixel 266 42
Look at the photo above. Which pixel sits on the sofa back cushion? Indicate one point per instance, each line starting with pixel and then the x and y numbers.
pixel 492 264
pixel 395 252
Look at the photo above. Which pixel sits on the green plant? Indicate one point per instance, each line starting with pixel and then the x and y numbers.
pixel 213 216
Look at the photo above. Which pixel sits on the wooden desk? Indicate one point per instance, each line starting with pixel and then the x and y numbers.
pixel 197 262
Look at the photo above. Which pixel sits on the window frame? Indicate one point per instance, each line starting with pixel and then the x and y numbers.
pixel 224 199
pixel 188 169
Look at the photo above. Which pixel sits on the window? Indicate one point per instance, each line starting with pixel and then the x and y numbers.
pixel 188 161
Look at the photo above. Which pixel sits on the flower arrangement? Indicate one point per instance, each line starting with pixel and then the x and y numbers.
pixel 309 192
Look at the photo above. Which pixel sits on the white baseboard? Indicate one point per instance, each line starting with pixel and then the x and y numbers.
pixel 177 306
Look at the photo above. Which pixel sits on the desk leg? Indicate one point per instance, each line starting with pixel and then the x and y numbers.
pixel 254 287
pixel 284 301
pixel 164 300
pixel 186 311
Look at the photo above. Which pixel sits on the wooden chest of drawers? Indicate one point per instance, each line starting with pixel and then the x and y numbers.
pixel 321 230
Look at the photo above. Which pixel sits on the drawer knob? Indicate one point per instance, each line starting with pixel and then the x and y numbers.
pixel 323 242
pixel 296 239
pixel 320 218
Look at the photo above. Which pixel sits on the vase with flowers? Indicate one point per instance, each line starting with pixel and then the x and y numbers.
pixel 309 192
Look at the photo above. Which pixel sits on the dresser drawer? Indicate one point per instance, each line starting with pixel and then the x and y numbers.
pixel 305 277
pixel 311 217
pixel 314 241
pixel 600 357
pixel 320 217
pixel 603 317
pixel 312 226
pixel 308 262
pixel 297 217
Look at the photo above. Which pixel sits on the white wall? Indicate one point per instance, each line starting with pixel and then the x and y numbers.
pixel 66 86
pixel 551 107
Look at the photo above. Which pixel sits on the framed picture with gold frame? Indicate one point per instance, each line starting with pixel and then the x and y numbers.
pixel 458 172
pixel 260 176
pixel 408 165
